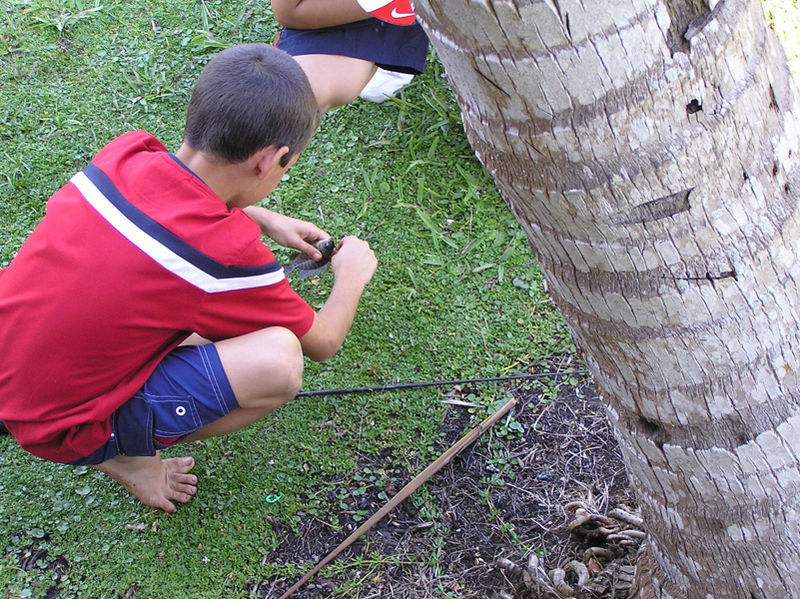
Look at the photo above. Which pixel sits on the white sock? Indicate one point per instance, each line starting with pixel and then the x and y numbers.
pixel 384 85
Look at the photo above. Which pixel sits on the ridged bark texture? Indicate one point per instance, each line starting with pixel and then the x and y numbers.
pixel 649 148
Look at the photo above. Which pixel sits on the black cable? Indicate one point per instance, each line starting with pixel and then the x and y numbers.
pixel 394 387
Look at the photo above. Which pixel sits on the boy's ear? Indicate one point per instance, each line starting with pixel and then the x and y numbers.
pixel 269 158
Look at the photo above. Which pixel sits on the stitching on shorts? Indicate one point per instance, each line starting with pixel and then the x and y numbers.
pixel 213 379
pixel 150 427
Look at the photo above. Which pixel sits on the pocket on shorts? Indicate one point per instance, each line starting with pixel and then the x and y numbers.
pixel 173 416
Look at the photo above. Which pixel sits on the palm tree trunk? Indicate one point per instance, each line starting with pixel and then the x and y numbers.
pixel 650 151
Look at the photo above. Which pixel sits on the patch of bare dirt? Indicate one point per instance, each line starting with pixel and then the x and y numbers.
pixel 539 507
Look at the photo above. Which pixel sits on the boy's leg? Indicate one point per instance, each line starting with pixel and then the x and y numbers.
pixel 262 381
pixel 336 80
pixel 264 370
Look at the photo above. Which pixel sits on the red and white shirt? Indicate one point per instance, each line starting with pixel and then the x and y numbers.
pixel 133 255
pixel 397 12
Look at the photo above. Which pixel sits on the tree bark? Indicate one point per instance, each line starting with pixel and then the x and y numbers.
pixel 649 148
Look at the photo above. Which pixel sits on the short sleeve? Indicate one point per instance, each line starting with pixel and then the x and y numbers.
pixel 269 302
pixel 234 313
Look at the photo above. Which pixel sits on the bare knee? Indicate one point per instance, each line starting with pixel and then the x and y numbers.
pixel 264 368
pixel 282 362
pixel 290 363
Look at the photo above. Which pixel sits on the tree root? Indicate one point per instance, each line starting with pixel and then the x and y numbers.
pixel 609 536
pixel 533 576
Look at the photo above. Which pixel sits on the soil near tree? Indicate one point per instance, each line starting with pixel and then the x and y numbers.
pixel 562 523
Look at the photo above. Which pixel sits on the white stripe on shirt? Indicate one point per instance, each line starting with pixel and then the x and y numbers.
pixel 161 253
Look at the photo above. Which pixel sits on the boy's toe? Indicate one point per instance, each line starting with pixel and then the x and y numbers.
pixel 160 502
pixel 184 479
pixel 182 465
pixel 181 497
pixel 184 488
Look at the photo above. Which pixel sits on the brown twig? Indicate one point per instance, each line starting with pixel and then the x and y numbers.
pixel 412 486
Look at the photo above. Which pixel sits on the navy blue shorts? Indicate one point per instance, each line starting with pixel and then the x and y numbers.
pixel 188 390
pixel 391 47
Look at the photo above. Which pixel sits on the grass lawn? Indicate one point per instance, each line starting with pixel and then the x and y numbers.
pixel 457 294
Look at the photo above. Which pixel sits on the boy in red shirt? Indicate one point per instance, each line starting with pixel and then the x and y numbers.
pixel 145 311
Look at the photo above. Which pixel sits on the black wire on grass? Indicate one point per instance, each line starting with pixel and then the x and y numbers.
pixel 394 387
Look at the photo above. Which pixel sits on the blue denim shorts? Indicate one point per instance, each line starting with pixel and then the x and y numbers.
pixel 391 47
pixel 188 390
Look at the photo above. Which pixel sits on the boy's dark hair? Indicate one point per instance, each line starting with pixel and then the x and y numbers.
pixel 247 98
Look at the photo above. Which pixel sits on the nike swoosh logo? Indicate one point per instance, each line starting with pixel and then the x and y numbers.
pixel 401 15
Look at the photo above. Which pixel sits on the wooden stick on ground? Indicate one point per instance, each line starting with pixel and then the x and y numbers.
pixel 412 486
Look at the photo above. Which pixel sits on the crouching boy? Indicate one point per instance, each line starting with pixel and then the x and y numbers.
pixel 144 256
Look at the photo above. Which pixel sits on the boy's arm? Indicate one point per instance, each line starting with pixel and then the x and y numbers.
pixel 353 265
pixel 287 231
pixel 314 14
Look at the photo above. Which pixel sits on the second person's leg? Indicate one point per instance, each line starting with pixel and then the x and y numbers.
pixel 336 80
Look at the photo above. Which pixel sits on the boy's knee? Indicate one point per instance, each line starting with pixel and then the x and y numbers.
pixel 293 368
pixel 264 368
pixel 283 356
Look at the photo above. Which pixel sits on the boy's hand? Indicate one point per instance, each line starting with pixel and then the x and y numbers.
pixel 354 261
pixel 287 231
pixel 353 264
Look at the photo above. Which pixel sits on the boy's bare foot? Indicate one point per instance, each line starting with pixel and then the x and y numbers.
pixel 153 481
